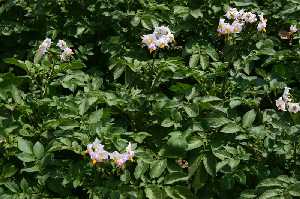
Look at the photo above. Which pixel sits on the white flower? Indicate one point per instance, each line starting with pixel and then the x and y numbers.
pixel 119 158
pixel 62 44
pixel 160 38
pixel 285 95
pixel 66 54
pixel 261 27
pixel 97 152
pixel 232 13
pixel 249 17
pixel 162 41
pixel 129 151
pixel 148 39
pixel 224 28
pixel 293 107
pixel 45 45
pixel 293 28
pixel 280 103
pixel 237 26
pixel 162 30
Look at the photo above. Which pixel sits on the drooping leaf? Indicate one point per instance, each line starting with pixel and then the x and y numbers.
pixel 25 145
pixel 157 168
pixel 249 118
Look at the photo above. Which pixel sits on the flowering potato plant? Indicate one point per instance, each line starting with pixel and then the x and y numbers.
pixel 99 101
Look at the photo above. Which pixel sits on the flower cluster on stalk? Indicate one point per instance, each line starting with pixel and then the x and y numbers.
pixel 240 18
pixel 66 51
pixel 97 153
pixel 46 44
pixel 285 103
pixel 160 38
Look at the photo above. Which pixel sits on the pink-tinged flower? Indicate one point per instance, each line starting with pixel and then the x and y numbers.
pixel 152 47
pixel 286 94
pixel 66 54
pixel 249 17
pixel 261 27
pixel 293 28
pixel 280 103
pixel 232 13
pixel 293 107
pixel 45 45
pixel 237 26
pixel 224 28
pixel 62 44
pixel 96 152
pixel 148 39
pixel 160 38
pixel 119 158
pixel 162 30
pixel 129 151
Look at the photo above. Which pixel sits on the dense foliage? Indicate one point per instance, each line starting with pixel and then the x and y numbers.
pixel 200 115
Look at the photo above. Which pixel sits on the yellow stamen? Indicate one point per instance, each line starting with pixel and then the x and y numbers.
pixel 94 161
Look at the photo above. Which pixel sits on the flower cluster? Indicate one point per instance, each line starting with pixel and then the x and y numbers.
pixel 67 52
pixel 240 18
pixel 45 45
pixel 160 38
pixel 98 154
pixel 285 102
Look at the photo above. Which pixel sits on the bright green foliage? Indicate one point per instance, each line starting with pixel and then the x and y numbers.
pixel 201 115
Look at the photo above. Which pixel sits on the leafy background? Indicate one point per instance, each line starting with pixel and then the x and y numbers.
pixel 208 102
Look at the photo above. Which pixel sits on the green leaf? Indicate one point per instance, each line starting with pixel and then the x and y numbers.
pixel 204 61
pixel 24 185
pixel 209 163
pixel 271 193
pixel 167 123
pixel 231 128
pixel 8 171
pixel 249 118
pixel 84 106
pixel 207 99
pixel 176 145
pixel 190 111
pixel 194 59
pixel 196 13
pixel 38 150
pixel 140 169
pixel 12 186
pixel 271 182
pixel 24 145
pixel 294 190
pixel 217 122
pixel 195 165
pixel 135 21
pixel 154 192
pixel 157 168
pixel 179 192
pixel 118 72
pixel 26 157
pixel 200 178
pixel 174 177
pixel 16 62
pixel 95 116
pixel 140 136
pixel 248 194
